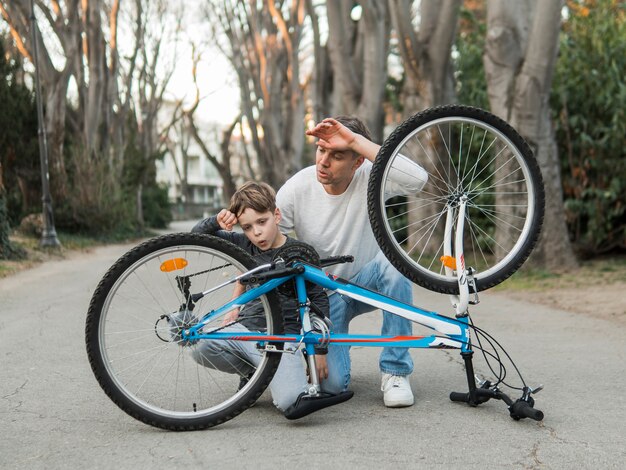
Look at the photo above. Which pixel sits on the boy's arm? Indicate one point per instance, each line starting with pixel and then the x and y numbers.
pixel 208 226
pixel 320 305
pixel 212 226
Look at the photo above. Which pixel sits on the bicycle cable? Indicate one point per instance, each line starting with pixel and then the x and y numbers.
pixel 491 340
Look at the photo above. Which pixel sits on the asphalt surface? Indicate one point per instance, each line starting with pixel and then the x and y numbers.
pixel 54 415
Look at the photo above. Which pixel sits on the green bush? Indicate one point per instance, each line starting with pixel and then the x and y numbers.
pixel 8 250
pixel 156 206
pixel 19 147
pixel 588 100
pixel 471 83
pixel 589 104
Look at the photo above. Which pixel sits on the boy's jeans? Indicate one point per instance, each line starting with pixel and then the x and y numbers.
pixel 242 357
pixel 378 275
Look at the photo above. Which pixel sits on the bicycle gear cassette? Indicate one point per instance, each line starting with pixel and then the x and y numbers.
pixel 297 251
pixel 293 252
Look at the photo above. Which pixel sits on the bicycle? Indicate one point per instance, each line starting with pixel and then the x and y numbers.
pixel 484 199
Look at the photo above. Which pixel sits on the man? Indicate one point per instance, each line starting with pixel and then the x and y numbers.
pixel 326 206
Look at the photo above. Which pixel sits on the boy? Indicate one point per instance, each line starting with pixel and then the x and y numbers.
pixel 253 207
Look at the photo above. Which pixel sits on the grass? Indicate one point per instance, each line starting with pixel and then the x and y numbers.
pixel 70 242
pixel 598 271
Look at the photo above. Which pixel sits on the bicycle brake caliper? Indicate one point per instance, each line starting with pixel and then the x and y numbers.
pixel 471 283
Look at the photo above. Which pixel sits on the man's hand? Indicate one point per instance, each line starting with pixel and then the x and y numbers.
pixel 333 135
pixel 226 219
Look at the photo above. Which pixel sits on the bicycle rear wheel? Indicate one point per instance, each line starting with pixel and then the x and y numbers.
pixel 136 353
pixel 467 152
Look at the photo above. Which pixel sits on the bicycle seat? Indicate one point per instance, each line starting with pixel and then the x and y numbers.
pixel 307 404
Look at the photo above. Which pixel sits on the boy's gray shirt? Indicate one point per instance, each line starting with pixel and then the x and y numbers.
pixel 252 312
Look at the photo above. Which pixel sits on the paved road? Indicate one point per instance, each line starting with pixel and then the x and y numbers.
pixel 54 415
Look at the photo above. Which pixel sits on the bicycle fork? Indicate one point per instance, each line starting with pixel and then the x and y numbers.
pixel 304 311
pixel 484 391
pixel 456 264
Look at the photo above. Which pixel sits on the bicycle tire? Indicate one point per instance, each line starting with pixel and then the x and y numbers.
pixel 478 169
pixel 140 364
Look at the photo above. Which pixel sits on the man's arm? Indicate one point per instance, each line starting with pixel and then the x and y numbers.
pixel 336 137
pixel 408 176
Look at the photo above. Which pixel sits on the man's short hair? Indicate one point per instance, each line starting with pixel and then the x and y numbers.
pixel 260 197
pixel 355 125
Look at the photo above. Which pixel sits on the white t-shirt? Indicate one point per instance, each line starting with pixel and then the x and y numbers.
pixel 332 224
pixel 339 224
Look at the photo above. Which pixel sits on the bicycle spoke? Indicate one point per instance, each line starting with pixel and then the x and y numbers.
pixel 471 157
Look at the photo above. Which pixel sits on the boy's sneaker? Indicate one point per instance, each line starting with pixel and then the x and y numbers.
pixel 397 391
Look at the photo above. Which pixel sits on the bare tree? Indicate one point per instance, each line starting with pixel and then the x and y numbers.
pixel 426 51
pixel 262 42
pixel 189 129
pixel 520 55
pixel 116 89
pixel 358 52
pixel 64 24
pixel 320 87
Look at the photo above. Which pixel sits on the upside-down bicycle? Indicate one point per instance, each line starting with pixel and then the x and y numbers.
pixel 472 225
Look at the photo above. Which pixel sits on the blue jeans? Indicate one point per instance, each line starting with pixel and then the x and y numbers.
pixel 242 358
pixel 378 275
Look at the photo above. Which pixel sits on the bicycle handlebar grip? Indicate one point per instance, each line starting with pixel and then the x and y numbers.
pixel 521 409
pixel 336 260
pixel 458 396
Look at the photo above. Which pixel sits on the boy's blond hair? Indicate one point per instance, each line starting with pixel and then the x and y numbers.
pixel 260 197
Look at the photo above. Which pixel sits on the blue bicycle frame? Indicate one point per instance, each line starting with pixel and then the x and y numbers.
pixel 454 331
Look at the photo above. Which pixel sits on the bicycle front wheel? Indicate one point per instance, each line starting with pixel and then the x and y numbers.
pixel 467 153
pixel 133 334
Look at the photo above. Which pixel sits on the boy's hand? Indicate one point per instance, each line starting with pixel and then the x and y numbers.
pixel 230 317
pixel 321 365
pixel 226 219
pixel 333 135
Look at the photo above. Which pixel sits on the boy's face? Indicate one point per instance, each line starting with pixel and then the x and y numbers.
pixel 261 228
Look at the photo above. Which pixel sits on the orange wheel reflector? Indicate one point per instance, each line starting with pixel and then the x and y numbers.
pixel 448 262
pixel 173 264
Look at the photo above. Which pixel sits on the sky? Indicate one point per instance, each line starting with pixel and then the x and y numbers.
pixel 217 81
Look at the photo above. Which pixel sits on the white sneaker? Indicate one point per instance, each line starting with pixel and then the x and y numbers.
pixel 397 391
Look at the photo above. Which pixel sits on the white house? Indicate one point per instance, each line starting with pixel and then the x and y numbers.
pixel 194 185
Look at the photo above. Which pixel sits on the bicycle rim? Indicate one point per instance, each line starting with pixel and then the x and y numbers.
pixel 148 370
pixel 463 156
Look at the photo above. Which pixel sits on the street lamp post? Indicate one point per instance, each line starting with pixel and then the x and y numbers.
pixel 49 235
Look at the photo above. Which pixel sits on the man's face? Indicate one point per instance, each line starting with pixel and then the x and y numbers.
pixel 336 168
pixel 261 228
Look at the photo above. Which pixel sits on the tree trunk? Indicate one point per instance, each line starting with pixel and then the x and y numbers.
pixel 520 56
pixel 263 46
pixel 55 99
pixel 426 54
pixel 358 53
pixel 429 81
